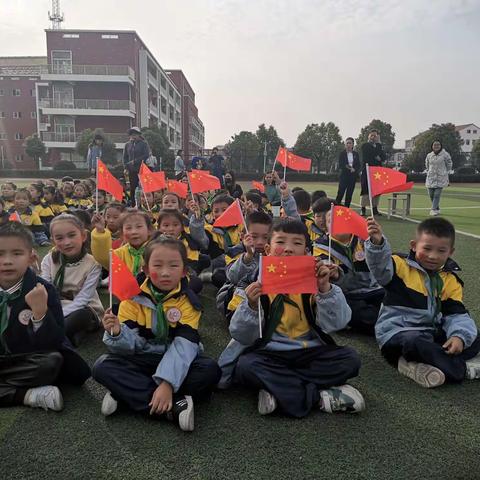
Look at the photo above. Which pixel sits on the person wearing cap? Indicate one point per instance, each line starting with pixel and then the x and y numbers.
pixel 135 152
pixel 94 152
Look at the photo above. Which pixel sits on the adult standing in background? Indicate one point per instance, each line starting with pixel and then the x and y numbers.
pixel 216 163
pixel 94 151
pixel 438 163
pixel 179 166
pixel 374 156
pixel 135 152
pixel 234 189
pixel 349 166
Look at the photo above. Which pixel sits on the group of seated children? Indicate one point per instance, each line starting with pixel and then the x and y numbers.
pixel 281 344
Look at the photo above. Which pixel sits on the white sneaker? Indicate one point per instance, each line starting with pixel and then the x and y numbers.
pixel 425 375
pixel 433 212
pixel 473 368
pixel 47 397
pixel 344 398
pixel 109 405
pixel 267 403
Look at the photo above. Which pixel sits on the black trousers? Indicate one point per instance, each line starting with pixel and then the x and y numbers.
pixel 133 179
pixel 219 277
pixel 346 187
pixel 296 377
pixel 421 346
pixel 129 378
pixel 78 323
pixel 365 313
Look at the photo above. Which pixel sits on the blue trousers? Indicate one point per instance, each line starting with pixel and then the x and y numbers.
pixel 424 347
pixel 296 377
pixel 435 194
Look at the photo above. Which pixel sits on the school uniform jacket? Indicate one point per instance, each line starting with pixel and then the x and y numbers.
pixel 410 304
pixel 81 203
pixel 138 317
pixel 30 219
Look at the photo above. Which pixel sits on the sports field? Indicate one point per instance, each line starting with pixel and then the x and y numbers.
pixel 406 432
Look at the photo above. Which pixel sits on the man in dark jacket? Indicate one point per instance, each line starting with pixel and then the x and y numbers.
pixel 216 164
pixel 349 166
pixel 135 152
pixel 374 156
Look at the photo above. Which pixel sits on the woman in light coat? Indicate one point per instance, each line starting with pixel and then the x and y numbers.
pixel 438 163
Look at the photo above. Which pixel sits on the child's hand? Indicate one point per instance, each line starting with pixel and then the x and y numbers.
pixel 111 323
pixel 284 190
pixel 250 248
pixel 98 222
pixel 37 300
pixel 453 346
pixel 276 178
pixel 322 271
pixel 374 231
pixel 253 292
pixel 162 399
pixel 334 272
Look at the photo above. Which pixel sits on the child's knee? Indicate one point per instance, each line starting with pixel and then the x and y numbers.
pixel 212 372
pixel 352 361
pixel 100 369
pixel 48 366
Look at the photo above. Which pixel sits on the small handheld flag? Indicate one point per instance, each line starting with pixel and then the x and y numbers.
pixel 258 186
pixel 180 188
pixel 106 181
pixel 151 181
pixel 15 217
pixel 346 220
pixel 122 282
pixel 233 215
pixel 386 180
pixel 201 181
pixel 290 160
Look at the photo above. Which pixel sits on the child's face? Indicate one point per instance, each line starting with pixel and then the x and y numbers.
pixel 431 252
pixel 286 244
pixel 68 238
pixel 165 268
pixel 268 178
pixel 170 202
pixel 157 197
pixel 15 258
pixel 50 183
pixel 135 231
pixel 79 191
pixel 321 220
pixel 147 197
pixel 67 189
pixel 259 233
pixel 218 209
pixel 7 191
pixel 34 193
pixel 112 219
pixel 100 198
pixel 21 202
pixel 171 226
pixel 48 196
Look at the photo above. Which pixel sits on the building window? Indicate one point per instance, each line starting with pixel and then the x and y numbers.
pixel 17 115
pixel 172 135
pixel 33 114
pixel 170 92
pixel 474 131
pixel 61 61
pixel 163 126
pixel 33 93
pixel 2 114
pixel 3 136
pixel 19 158
pixel 163 104
pixel 19 136
pixel 467 142
pixel 2 92
pixel 110 36
pixel 163 82
pixel 71 35
pixel 16 92
pixel 468 131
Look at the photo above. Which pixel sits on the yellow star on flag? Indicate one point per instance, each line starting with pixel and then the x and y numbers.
pixel 339 213
pixel 271 268
pixel 377 176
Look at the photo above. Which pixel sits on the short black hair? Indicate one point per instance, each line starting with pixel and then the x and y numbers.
pixel 436 141
pixel 318 194
pixel 158 239
pixel 170 212
pixel 255 198
pixel 373 130
pixel 222 198
pixel 349 138
pixel 302 199
pixel 323 205
pixel 290 225
pixel 23 191
pixel 438 226
pixel 258 217
pixel 17 230
pixel 121 207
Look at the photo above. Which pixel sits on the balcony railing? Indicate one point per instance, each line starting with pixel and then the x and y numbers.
pixel 153 109
pixel 73 137
pixel 86 104
pixel 69 69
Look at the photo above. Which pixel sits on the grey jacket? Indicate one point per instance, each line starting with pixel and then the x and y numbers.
pixel 438 166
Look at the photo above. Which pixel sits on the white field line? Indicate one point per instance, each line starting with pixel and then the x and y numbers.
pixel 445 208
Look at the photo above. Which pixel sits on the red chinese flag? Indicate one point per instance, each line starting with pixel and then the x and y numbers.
pixel 231 216
pixel 180 188
pixel 290 160
pixel 387 180
pixel 258 186
pixel 122 282
pixel 288 275
pixel 345 220
pixel 151 181
pixel 201 181
pixel 106 181
pixel 14 217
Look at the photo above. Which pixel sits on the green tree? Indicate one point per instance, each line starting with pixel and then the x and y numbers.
pixel 35 148
pixel 476 154
pixel 109 152
pixel 450 140
pixel 158 141
pixel 322 143
pixel 269 137
pixel 387 136
pixel 245 152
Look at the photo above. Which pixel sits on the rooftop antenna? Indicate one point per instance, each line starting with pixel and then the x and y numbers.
pixel 56 17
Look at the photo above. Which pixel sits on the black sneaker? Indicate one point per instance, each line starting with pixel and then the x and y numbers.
pixel 376 212
pixel 182 413
pixel 363 212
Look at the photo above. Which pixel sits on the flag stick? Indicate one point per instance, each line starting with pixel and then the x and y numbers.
pixel 259 306
pixel 243 217
pixel 285 167
pixel 96 187
pixel 145 196
pixel 330 235
pixel 110 298
pixel 369 191
pixel 191 193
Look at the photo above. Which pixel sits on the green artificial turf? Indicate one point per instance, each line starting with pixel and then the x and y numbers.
pixel 406 432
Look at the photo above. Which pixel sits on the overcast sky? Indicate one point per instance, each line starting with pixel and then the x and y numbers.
pixel 293 62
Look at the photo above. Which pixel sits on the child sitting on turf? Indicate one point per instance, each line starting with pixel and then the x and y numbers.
pixel 112 215
pixel 34 354
pixel 99 200
pixel 80 198
pixel 304 203
pixel 295 364
pixel 155 364
pixel 423 327
pixel 362 292
pixel 136 228
pixel 54 201
pixel 26 216
pixel 320 208
pixel 67 190
pixel 75 273
pixel 8 194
